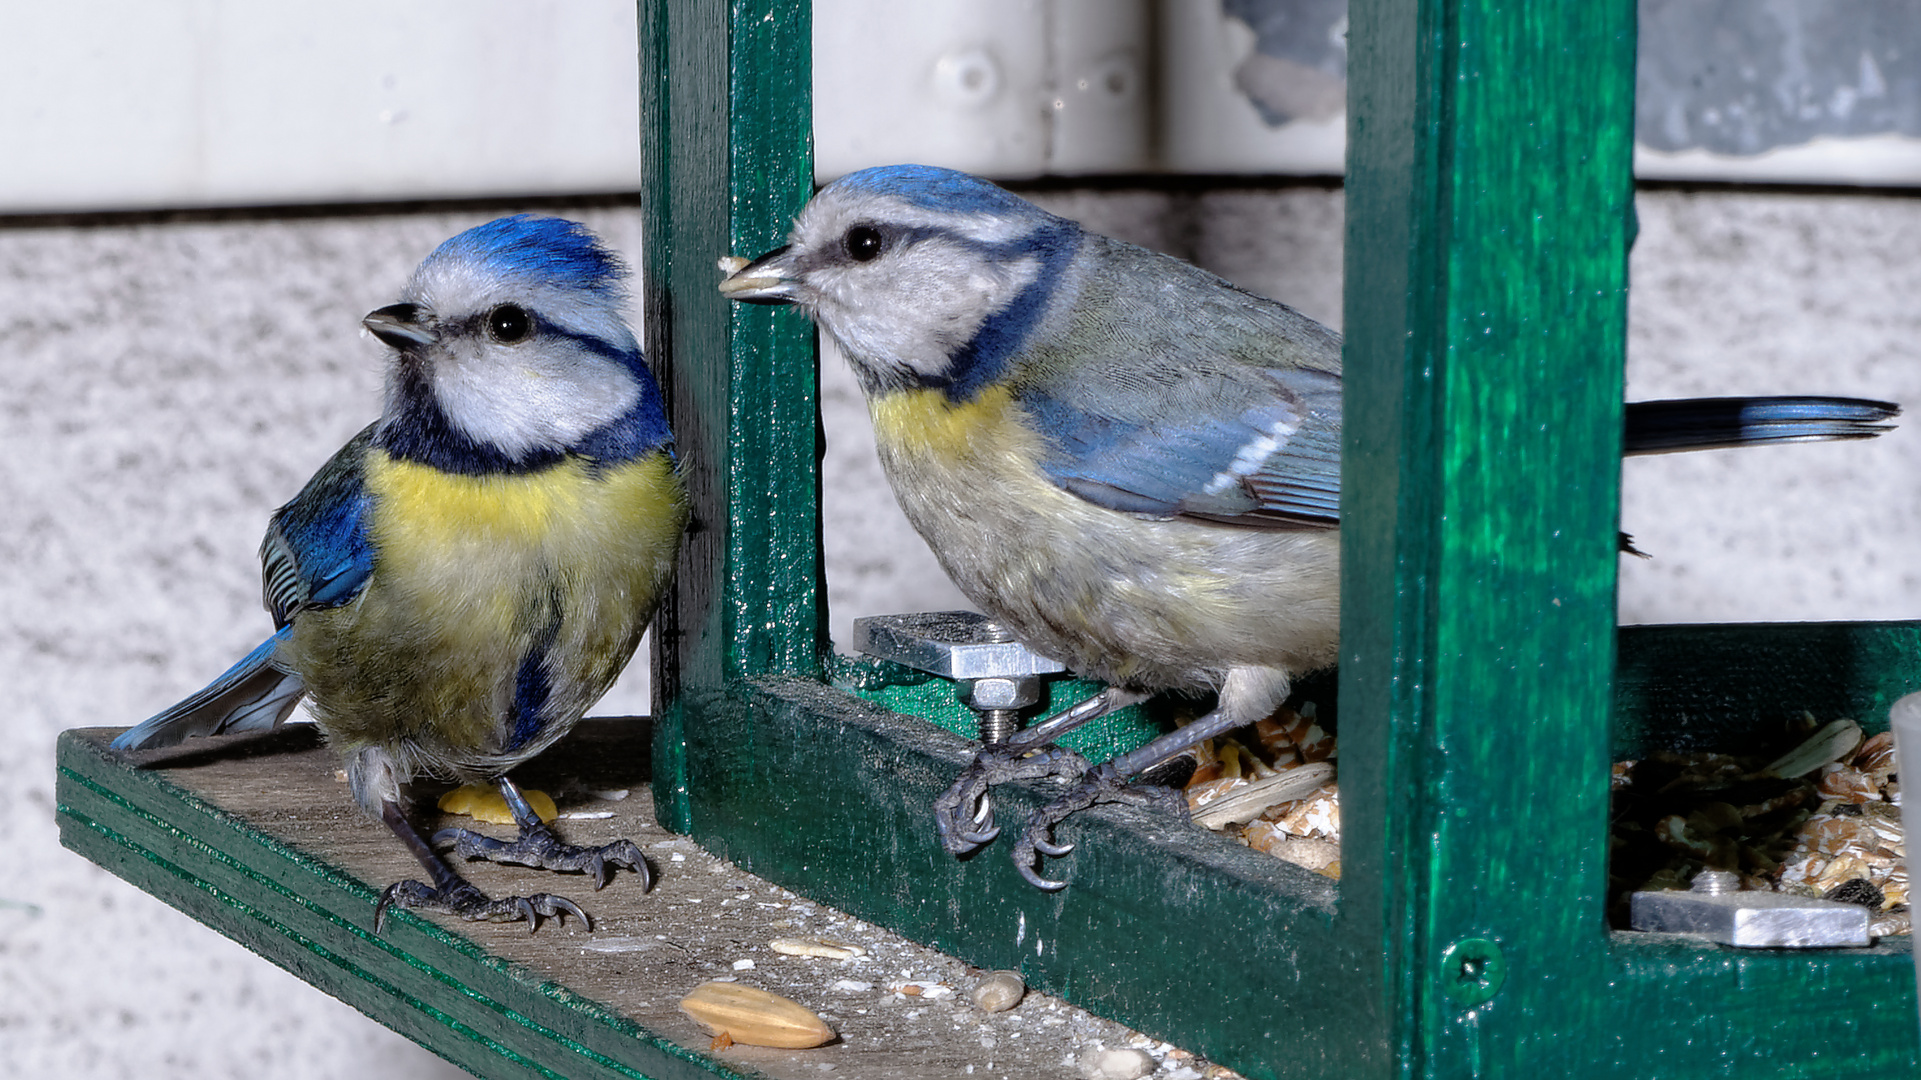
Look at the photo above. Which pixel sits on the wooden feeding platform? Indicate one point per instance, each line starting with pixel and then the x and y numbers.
pixel 257 837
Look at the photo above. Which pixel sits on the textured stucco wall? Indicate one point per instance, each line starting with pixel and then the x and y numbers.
pixel 1765 294
pixel 166 385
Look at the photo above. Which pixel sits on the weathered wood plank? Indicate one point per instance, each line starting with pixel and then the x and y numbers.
pixel 258 839
pixel 1165 927
pixel 267 848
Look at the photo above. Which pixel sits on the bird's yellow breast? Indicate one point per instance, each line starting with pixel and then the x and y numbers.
pixel 1117 596
pixel 470 573
pixel 926 424
pixel 425 511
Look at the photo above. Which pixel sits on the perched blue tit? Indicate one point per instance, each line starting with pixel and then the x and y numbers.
pixel 1131 463
pixel 469 574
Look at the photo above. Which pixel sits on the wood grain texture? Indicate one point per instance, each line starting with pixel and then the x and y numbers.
pixel 1486 315
pixel 726 163
pixel 1166 927
pixel 258 839
pixel 1733 688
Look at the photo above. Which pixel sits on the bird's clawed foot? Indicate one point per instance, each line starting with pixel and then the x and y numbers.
pixel 537 846
pixel 1097 785
pixel 458 897
pixel 964 814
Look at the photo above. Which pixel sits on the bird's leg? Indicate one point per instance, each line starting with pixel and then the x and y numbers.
pixel 454 894
pixel 537 846
pixel 964 814
pixel 1247 694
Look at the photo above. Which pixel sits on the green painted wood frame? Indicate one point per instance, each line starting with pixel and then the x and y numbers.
pixel 1489 200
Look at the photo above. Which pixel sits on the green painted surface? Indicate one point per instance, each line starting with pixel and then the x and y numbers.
pixel 1489 202
pixel 905 690
pixel 1486 315
pixel 1173 930
pixel 1253 962
pixel 1731 688
pixel 727 162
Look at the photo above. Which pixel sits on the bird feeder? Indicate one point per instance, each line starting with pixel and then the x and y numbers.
pixel 1484 687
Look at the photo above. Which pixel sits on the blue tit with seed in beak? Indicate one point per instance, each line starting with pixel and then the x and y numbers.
pixel 1131 463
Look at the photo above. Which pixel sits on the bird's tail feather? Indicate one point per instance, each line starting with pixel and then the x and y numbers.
pixel 1660 427
pixel 253 695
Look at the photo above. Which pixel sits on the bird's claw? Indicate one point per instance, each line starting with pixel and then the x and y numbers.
pixel 463 900
pixel 964 814
pixel 1097 785
pixel 981 833
pixel 539 847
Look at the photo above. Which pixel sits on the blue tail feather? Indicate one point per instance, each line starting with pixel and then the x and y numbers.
pixel 252 695
pixel 1659 427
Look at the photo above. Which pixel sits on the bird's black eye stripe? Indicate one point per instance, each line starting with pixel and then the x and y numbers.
pixel 863 243
pixel 509 323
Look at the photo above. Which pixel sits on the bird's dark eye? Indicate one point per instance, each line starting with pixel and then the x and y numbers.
pixel 509 323
pixel 863 243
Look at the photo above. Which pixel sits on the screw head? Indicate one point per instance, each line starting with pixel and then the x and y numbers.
pixel 1473 971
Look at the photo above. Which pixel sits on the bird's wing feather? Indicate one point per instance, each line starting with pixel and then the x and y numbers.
pixel 253 695
pixel 317 552
pixel 1241 423
pixel 1273 460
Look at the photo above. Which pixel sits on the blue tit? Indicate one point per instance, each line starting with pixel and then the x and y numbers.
pixel 469 574
pixel 1131 463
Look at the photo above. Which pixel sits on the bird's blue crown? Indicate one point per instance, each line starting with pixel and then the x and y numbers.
pixel 549 249
pixel 937 189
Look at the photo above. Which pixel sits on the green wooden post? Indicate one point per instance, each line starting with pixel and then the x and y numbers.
pixel 727 161
pixel 1488 203
pixel 1488 198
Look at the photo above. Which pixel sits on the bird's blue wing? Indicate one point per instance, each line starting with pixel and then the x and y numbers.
pixel 317 552
pixel 1266 453
pixel 1162 389
pixel 253 695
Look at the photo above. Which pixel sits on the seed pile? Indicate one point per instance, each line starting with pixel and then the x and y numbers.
pixel 1822 820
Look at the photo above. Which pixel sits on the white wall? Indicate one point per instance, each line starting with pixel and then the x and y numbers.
pixel 117 104
pixel 129 104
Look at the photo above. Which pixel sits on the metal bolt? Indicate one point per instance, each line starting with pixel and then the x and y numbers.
pixel 1715 882
pixel 998 676
pixel 999 700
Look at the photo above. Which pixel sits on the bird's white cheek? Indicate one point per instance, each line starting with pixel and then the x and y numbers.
pixel 521 402
pixel 886 326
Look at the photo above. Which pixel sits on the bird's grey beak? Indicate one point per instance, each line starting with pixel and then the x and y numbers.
pixel 767 280
pixel 401 325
